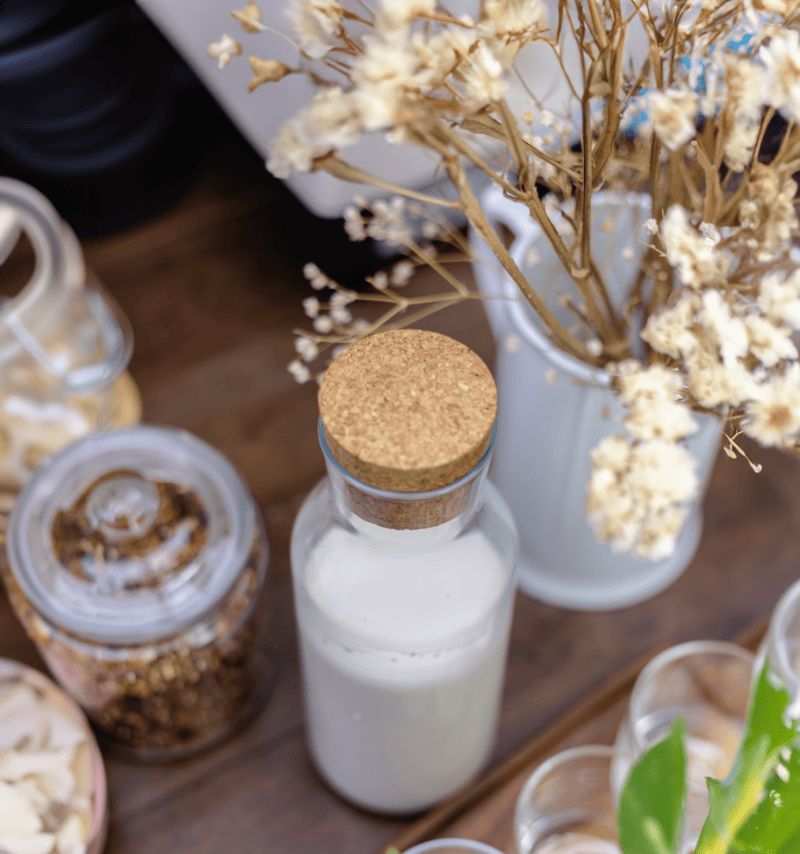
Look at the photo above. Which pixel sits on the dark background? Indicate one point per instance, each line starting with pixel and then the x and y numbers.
pixel 99 113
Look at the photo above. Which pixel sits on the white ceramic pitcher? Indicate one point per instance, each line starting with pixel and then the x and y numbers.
pixel 554 409
pixel 64 344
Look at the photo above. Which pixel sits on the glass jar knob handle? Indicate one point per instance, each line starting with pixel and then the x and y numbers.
pixel 123 508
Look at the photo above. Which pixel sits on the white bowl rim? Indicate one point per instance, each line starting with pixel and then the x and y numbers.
pixel 433 845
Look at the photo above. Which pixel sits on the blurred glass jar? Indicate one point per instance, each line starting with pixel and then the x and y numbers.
pixel 137 564
pixel 567 805
pixel 782 644
pixel 708 683
pixel 64 344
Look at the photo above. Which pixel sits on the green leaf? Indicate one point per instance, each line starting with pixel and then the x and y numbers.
pixel 653 800
pixel 774 828
pixel 767 731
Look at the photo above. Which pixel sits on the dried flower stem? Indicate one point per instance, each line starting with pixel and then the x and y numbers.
pixel 426 258
pixel 444 19
pixel 756 467
pixel 490 127
pixel 713 194
pixel 539 214
pixel 768 116
pixel 415 317
pixel 332 164
pixel 608 139
pixel 597 25
pixel 716 297
pixel 516 144
pixel 477 218
pixel 441 136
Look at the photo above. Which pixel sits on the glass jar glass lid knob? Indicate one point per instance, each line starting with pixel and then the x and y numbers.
pixel 123 507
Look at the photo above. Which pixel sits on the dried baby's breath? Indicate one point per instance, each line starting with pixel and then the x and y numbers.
pixel 249 17
pixel 703 120
pixel 224 50
pixel 266 71
pixel 311 306
pixel 299 371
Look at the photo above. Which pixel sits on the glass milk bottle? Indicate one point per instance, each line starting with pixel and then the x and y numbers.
pixel 64 344
pixel 137 563
pixel 403 561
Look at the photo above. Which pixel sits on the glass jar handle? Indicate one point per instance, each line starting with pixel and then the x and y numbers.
pixel 58 257
pixel 117 341
pixel 9 232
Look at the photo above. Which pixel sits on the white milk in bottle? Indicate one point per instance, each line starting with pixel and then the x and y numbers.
pixel 404 594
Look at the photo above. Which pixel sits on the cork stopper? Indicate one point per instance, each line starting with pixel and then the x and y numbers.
pixel 408 411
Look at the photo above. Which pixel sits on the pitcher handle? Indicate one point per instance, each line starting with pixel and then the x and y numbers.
pixel 59 259
pixel 492 279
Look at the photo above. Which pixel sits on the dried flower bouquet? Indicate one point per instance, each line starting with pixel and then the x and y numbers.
pixel 695 103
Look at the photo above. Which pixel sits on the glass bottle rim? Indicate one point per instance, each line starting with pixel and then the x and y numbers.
pixel 670 655
pixel 590 751
pixel 391 495
pixel 603 753
pixel 149 614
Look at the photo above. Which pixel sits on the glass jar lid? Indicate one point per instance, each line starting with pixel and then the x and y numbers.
pixel 131 535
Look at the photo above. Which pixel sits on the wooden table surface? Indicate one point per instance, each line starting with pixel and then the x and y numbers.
pixel 213 288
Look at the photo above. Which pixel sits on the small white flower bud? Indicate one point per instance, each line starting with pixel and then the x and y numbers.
pixel 311 306
pixel 299 371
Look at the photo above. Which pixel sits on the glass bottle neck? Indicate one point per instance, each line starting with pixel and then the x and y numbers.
pixel 392 516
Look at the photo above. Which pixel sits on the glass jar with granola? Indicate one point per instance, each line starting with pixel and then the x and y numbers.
pixel 137 563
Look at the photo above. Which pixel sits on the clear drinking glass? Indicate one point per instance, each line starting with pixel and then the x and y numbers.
pixel 137 560
pixel 567 805
pixel 708 683
pixel 452 846
pixel 782 642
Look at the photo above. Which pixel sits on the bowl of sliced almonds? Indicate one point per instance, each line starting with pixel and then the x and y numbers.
pixel 53 797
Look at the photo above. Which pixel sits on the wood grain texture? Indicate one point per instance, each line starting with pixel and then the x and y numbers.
pixel 213 290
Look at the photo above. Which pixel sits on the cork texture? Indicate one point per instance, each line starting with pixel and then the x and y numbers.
pixel 408 410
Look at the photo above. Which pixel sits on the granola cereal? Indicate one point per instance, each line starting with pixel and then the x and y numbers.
pixel 168 659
